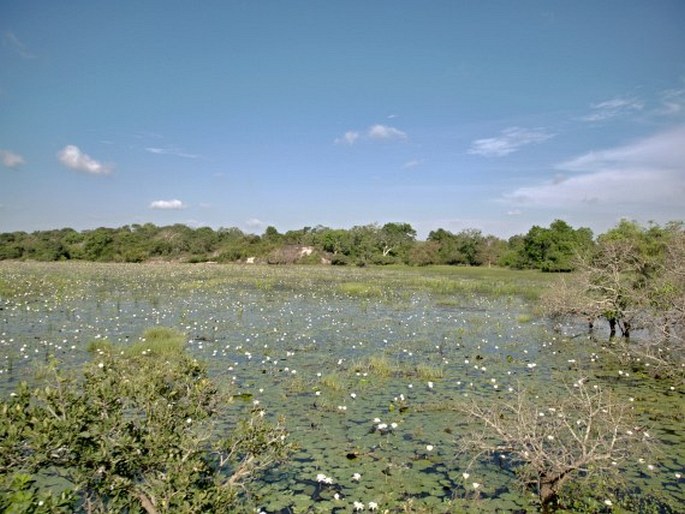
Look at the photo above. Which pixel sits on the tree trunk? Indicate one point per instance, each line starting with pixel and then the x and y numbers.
pixel 625 329
pixel 548 498
pixel 612 327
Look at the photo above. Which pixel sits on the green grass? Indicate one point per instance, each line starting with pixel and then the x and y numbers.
pixel 159 342
pixel 99 345
pixel 428 372
pixel 360 289
pixel 332 381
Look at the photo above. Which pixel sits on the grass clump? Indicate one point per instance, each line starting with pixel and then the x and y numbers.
pixel 99 346
pixel 159 342
pixel 332 381
pixel 381 366
pixel 428 372
pixel 360 289
pixel 377 365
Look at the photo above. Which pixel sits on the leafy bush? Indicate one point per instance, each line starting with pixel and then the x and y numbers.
pixel 132 433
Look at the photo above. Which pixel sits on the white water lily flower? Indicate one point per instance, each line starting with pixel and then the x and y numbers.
pixel 429 447
pixel 475 485
pixel 373 506
pixel 356 477
pixel 465 475
pixel 358 506
pixel 323 479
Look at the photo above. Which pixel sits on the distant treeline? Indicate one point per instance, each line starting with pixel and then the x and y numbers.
pixel 548 249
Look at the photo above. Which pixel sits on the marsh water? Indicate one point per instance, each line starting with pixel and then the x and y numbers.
pixel 336 352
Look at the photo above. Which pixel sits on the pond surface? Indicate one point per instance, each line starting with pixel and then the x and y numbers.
pixel 338 353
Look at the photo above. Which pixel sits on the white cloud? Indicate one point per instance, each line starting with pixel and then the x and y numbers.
pixel 612 108
pixel 167 204
pixel 511 140
pixel 171 151
pixel 376 132
pixel 11 159
pixel 10 40
pixel 350 137
pixel 665 150
pixel 72 157
pixel 381 132
pixel 647 174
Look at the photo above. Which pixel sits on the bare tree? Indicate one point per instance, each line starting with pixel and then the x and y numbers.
pixel 587 433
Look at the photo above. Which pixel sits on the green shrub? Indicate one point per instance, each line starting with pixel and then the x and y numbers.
pixel 131 433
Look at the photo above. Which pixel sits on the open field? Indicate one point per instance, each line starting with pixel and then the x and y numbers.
pixel 333 349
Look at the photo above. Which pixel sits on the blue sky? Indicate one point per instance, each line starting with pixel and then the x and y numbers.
pixel 495 115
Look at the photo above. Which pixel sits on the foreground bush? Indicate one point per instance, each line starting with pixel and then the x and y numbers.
pixel 135 431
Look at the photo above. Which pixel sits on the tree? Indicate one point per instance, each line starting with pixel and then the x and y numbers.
pixel 554 248
pixel 424 253
pixel 635 279
pixel 396 238
pixel 490 250
pixel 271 234
pixel 549 442
pixel 448 249
pixel 467 247
pixel 469 243
pixel 98 244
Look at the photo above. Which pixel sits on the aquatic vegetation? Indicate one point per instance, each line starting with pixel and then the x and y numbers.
pixel 295 342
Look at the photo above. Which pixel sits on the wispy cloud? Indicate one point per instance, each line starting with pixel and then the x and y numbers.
pixel 377 132
pixel 349 138
pixel 613 108
pixel 648 172
pixel 412 164
pixel 171 151
pixel 672 101
pixel 11 41
pixel 11 159
pixel 255 224
pixel 509 141
pixel 72 157
pixel 167 204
